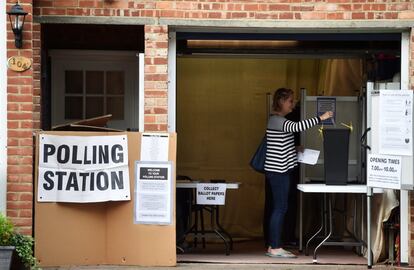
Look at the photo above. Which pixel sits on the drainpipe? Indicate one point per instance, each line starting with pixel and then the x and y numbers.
pixel 3 107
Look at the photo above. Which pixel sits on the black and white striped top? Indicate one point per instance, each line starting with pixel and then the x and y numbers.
pixel 281 152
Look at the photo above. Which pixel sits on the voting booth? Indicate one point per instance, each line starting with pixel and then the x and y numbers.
pixel 377 137
pixel 93 195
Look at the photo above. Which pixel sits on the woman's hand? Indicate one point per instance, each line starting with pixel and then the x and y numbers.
pixel 299 148
pixel 326 115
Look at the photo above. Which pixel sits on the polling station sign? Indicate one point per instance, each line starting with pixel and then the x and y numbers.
pixel 83 169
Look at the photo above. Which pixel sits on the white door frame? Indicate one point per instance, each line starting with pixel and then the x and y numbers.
pixel 172 65
pixel 404 201
pixel 405 53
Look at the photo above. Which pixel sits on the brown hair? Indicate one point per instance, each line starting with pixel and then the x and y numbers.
pixel 280 95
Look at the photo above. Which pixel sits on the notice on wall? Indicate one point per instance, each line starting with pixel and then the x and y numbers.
pixel 324 105
pixel 395 122
pixel 153 190
pixel 154 146
pixel 384 171
pixel 83 169
pixel 211 193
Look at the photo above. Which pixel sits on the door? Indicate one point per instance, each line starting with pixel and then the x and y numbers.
pixel 87 84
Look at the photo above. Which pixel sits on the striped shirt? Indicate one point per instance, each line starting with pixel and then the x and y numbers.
pixel 281 152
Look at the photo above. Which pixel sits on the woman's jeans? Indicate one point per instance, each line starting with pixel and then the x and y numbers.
pixel 279 191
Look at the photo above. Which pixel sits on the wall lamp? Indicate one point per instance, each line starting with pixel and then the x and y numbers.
pixel 16 17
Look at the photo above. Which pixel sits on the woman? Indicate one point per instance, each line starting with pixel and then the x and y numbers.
pixel 280 159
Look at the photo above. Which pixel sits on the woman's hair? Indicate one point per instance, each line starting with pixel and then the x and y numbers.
pixel 280 95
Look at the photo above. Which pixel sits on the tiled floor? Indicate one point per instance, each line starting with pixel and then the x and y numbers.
pixel 253 252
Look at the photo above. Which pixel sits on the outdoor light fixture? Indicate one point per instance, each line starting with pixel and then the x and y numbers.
pixel 16 17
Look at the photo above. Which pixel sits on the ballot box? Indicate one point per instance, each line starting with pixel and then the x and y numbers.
pixel 336 152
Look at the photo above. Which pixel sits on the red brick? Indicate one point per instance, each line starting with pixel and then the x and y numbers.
pixel 26 151
pixel 214 15
pixel 53 11
pixel 286 16
pixel 164 5
pixel 238 15
pixel 156 94
pixel 279 7
pixel 25 213
pixel 251 7
pixel 358 15
pixel 13 187
pixel 156 77
pixel 19 169
pixel 19 115
pixel 149 119
pixel 19 98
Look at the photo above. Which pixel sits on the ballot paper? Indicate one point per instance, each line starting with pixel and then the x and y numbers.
pixel 308 156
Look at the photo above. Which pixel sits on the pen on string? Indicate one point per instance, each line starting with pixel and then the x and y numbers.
pixel 333 121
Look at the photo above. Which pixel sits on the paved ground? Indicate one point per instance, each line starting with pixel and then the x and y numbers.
pixel 200 266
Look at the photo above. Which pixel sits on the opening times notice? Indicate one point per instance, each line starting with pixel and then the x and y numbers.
pixel 384 171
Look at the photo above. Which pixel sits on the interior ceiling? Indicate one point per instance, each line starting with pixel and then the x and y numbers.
pixel 257 43
pixel 93 37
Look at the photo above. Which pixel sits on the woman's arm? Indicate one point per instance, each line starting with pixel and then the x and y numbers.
pixel 290 126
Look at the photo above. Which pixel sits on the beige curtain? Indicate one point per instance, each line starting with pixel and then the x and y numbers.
pixel 340 77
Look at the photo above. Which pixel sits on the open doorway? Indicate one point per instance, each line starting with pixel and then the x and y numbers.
pixel 89 71
pixel 223 85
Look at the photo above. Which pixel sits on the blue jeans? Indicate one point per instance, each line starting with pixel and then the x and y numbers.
pixel 279 189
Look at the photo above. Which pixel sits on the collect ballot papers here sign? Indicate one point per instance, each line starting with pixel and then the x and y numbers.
pixel 83 169
pixel 211 193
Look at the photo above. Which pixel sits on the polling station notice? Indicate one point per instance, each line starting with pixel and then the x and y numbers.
pixel 83 169
pixel 153 192
pixel 384 171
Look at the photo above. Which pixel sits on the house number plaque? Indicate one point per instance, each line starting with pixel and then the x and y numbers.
pixel 19 63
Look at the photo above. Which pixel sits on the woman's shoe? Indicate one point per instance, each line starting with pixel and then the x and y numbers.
pixel 281 254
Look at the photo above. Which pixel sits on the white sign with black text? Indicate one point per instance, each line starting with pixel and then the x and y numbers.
pixel 153 192
pixel 83 168
pixel 384 171
pixel 154 146
pixel 395 122
pixel 211 193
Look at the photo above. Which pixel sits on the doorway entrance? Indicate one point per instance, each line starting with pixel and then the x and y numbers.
pixel 222 89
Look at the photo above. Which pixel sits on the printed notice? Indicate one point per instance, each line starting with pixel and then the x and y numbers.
pixel 308 156
pixel 325 105
pixel 395 122
pixel 153 192
pixel 211 194
pixel 384 171
pixel 154 146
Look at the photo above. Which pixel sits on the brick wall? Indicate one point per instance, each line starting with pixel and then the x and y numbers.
pixel 156 53
pixel 20 123
pixel 229 9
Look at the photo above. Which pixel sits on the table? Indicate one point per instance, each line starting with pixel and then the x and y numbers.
pixel 217 229
pixel 330 189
